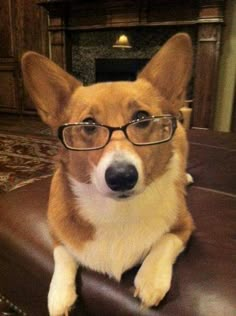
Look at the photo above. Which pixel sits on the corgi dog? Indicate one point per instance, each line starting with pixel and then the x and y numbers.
pixel 117 196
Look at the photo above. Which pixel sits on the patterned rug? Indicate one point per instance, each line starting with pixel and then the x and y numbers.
pixel 25 159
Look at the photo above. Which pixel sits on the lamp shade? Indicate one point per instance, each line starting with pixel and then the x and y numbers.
pixel 122 42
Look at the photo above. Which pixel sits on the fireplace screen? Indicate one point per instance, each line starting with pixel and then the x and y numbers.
pixel 118 69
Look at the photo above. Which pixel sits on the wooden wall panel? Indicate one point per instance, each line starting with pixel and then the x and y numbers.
pixel 23 27
pixel 34 24
pixel 206 73
pixel 6 28
pixel 8 99
pixel 8 73
pixel 32 36
pixel 177 11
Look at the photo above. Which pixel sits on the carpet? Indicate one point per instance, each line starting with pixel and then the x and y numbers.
pixel 25 159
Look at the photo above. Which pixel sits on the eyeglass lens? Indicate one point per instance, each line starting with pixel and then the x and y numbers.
pixel 85 136
pixel 150 131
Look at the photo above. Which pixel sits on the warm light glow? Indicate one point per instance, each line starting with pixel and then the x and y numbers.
pixel 122 42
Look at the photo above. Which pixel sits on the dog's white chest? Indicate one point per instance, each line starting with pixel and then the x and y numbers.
pixel 116 249
pixel 125 230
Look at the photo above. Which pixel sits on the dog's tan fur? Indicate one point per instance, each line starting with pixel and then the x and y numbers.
pixel 91 228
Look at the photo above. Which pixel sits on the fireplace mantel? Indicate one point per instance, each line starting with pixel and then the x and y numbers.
pixel 206 17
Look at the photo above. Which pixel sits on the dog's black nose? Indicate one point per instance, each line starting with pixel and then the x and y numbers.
pixel 121 176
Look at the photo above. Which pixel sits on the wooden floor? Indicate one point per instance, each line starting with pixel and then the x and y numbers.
pixel 16 124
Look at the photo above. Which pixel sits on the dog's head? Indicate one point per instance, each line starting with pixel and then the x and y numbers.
pixel 120 160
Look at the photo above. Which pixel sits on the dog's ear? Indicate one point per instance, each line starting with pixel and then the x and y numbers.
pixel 49 86
pixel 170 69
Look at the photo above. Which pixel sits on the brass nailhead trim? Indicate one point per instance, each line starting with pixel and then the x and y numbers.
pixel 11 305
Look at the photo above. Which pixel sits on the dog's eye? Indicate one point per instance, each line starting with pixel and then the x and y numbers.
pixel 139 115
pixel 90 128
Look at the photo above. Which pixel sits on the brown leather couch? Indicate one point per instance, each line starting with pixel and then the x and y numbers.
pixel 204 280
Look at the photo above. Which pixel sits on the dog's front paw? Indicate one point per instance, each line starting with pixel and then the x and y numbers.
pixel 61 299
pixel 151 285
pixel 189 179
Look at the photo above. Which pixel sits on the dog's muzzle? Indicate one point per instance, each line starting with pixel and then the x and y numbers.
pixel 121 176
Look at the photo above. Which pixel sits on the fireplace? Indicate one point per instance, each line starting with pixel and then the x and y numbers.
pixel 82 34
pixel 94 59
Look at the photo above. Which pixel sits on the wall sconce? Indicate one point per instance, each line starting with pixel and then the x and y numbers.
pixel 122 42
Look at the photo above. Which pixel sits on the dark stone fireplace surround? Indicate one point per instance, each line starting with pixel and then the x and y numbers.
pixel 94 59
pixel 82 34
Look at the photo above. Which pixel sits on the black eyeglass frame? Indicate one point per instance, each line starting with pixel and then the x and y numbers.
pixel 113 129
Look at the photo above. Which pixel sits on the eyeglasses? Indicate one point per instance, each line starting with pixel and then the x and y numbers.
pixel 86 136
